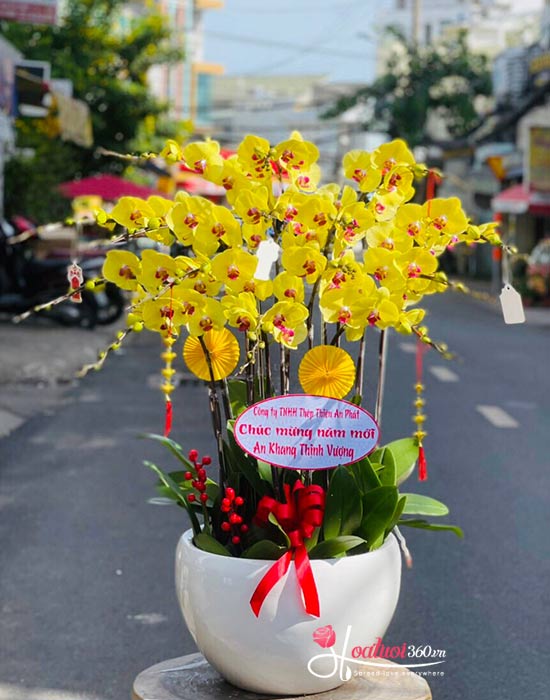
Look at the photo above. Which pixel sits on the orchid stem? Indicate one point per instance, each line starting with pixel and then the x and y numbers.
pixel 382 356
pixel 360 371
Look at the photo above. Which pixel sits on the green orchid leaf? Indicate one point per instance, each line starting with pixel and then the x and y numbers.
pixel 237 396
pixel 425 525
pixel 343 509
pixel 178 494
pixel 418 504
pixel 242 463
pixel 405 454
pixel 273 520
pixel 396 514
pixel 264 469
pixel 208 544
pixel 175 448
pixel 378 508
pixel 364 475
pixel 388 473
pixel 335 547
pixel 264 549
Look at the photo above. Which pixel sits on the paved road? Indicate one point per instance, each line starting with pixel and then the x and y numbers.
pixel 86 563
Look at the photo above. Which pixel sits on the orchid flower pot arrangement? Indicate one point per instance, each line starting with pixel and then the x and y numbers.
pixel 296 519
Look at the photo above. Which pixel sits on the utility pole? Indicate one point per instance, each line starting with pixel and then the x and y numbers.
pixel 416 9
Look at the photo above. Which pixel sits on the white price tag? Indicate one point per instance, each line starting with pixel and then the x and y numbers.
pixel 512 307
pixel 268 252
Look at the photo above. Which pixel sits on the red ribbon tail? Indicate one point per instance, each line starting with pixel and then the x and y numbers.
pixel 422 465
pixel 274 574
pixel 307 582
pixel 168 419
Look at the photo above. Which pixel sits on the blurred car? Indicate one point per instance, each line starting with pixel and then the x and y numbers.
pixel 538 269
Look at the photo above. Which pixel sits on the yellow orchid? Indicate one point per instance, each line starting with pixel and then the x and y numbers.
pixel 400 181
pixel 234 267
pixel 203 157
pixel 158 231
pixel 262 289
pixel 389 155
pixel 384 204
pixel 304 261
pixel 285 321
pixel 192 302
pixel 410 219
pixel 306 180
pixel 359 167
pixel 288 287
pixel 252 205
pixel 157 270
pixel 209 316
pixel 132 212
pixel 385 235
pixel 348 308
pixel 171 152
pixel 163 315
pixel 445 220
pixel 232 178
pixel 221 226
pixel 254 155
pixel 254 234
pixel 196 274
pixel 186 215
pixel 296 154
pixel 241 311
pixel 382 265
pixel 123 269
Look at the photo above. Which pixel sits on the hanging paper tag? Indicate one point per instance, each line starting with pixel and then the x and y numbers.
pixel 268 252
pixel 75 277
pixel 512 307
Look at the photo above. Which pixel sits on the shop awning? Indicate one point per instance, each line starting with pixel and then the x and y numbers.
pixel 108 187
pixel 519 200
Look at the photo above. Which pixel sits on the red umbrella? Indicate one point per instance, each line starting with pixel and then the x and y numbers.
pixel 108 187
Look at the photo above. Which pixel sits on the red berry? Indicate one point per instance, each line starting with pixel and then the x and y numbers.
pixel 238 519
pixel 225 527
pixel 230 493
pixel 201 473
pixel 236 539
pixel 207 460
pixel 193 455
pixel 188 476
pixel 191 497
pixel 225 509
pixel 200 487
pixel 244 528
pixel 226 502
pixel 239 501
pixel 234 519
pixel 204 497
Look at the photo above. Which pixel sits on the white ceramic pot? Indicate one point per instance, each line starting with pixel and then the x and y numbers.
pixel 270 654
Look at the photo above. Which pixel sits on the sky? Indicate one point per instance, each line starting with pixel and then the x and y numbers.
pixel 332 37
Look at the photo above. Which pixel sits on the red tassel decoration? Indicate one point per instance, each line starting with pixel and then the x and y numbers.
pixel 168 419
pixel 422 466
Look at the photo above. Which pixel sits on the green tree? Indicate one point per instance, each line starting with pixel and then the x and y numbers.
pixel 106 55
pixel 445 78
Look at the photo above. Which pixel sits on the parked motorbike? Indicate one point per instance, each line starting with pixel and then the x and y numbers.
pixel 26 281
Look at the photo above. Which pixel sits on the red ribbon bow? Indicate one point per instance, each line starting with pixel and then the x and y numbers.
pixel 298 516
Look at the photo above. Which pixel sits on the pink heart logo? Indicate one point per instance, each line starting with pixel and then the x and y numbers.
pixel 325 636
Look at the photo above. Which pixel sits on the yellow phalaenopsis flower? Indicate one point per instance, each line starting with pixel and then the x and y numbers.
pixel 241 311
pixel 359 167
pixel 234 267
pixel 122 268
pixel 390 155
pixel 252 205
pixel 203 157
pixel 218 360
pixel 288 287
pixel 286 323
pixel 327 370
pixel 132 212
pixel 186 215
pixel 209 316
pixel 254 155
pixel 220 227
pixel 304 261
pixel 157 270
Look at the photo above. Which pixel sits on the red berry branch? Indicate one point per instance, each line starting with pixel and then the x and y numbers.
pixel 198 480
pixel 234 521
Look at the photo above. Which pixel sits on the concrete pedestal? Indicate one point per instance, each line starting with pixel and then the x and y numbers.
pixel 192 678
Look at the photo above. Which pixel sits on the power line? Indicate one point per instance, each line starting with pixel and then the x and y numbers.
pixel 240 38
